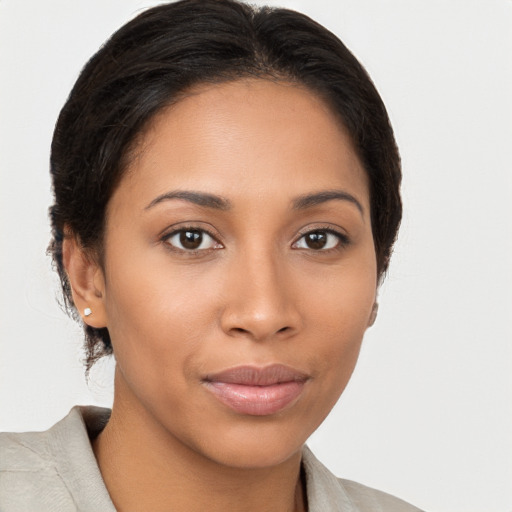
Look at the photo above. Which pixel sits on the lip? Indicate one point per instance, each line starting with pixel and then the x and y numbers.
pixel 257 391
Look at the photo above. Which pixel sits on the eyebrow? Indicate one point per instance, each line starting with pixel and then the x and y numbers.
pixel 199 198
pixel 309 200
pixel 221 203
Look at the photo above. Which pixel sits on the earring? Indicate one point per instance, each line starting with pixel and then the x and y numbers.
pixel 87 312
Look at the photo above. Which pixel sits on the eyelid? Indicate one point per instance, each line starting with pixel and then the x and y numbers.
pixel 341 234
pixel 173 230
pixel 197 225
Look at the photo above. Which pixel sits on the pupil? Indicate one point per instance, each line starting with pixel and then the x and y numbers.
pixel 316 240
pixel 191 239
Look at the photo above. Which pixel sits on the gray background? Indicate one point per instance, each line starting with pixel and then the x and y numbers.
pixel 428 414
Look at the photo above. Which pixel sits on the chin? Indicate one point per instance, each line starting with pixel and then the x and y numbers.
pixel 256 443
pixel 254 455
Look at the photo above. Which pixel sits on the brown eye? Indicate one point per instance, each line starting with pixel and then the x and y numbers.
pixel 319 240
pixel 191 240
pixel 316 240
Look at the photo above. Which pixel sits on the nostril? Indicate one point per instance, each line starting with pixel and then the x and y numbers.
pixel 239 330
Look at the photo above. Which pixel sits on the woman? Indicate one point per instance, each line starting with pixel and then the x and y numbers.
pixel 226 199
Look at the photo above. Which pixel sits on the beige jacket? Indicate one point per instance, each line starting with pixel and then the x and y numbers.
pixel 55 471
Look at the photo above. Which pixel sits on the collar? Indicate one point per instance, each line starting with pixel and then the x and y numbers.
pixel 82 477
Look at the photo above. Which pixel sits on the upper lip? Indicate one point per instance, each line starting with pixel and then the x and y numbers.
pixel 257 376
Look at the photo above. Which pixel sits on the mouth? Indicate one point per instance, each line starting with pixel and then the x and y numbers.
pixel 257 391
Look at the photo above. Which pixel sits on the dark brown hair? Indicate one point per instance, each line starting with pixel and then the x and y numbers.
pixel 152 60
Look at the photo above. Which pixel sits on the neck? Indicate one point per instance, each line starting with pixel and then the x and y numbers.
pixel 146 468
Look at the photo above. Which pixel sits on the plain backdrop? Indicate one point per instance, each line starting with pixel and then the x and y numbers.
pixel 428 413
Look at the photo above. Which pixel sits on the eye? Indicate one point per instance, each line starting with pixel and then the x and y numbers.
pixel 192 239
pixel 320 240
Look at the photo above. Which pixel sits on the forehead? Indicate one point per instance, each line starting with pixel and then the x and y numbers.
pixel 242 136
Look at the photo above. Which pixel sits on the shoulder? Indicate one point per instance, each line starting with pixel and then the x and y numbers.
pixel 23 451
pixel 327 493
pixel 367 498
pixel 29 479
pixel 39 471
pixel 35 451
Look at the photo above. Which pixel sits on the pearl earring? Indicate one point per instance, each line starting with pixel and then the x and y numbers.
pixel 87 312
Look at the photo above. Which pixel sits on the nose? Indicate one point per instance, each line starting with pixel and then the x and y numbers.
pixel 261 299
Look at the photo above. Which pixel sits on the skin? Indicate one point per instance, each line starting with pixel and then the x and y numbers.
pixel 255 293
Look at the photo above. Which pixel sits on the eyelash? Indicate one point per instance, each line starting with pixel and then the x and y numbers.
pixel 190 252
pixel 343 240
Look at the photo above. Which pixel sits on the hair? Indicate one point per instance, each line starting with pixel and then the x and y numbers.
pixel 150 62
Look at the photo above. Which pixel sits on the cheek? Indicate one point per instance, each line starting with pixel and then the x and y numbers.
pixel 340 299
pixel 160 315
pixel 339 312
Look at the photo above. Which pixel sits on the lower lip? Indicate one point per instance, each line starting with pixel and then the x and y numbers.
pixel 256 400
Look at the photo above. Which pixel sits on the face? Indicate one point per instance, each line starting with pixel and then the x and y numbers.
pixel 239 271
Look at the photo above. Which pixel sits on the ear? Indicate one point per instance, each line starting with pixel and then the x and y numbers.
pixel 373 314
pixel 87 282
